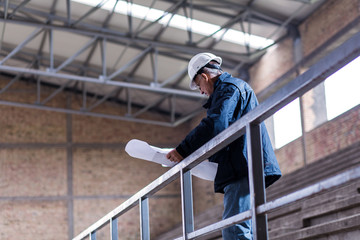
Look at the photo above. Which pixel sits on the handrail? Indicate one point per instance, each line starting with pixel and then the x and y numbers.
pixel 337 180
pixel 248 123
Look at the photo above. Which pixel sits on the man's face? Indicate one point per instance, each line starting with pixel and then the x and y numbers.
pixel 204 84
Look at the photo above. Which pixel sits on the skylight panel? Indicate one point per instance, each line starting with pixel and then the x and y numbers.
pixel 181 22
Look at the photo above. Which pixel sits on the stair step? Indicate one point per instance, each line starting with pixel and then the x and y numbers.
pixel 314 172
pixel 343 225
pixel 330 208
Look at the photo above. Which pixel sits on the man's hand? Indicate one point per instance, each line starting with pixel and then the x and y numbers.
pixel 174 156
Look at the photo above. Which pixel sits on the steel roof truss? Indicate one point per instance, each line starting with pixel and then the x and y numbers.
pixel 134 60
pixel 56 92
pixel 103 57
pixel 12 81
pixel 70 59
pixel 88 13
pixel 149 106
pixel 170 10
pixel 21 45
pixel 154 65
pixel 103 99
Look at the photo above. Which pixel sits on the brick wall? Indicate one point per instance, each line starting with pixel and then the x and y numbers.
pixel 272 65
pixel 326 22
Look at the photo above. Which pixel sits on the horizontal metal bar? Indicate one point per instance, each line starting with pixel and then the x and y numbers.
pixel 270 206
pixel 140 55
pixel 72 58
pixel 97 81
pixel 337 180
pixel 220 225
pixel 21 45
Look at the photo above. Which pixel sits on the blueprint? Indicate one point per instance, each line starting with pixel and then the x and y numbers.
pixel 142 150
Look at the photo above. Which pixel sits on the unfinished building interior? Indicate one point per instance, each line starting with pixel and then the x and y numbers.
pixel 80 79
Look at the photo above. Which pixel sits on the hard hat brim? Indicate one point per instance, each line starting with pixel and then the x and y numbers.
pixel 192 84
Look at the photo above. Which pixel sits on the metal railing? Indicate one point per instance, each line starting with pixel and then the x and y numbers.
pixel 249 124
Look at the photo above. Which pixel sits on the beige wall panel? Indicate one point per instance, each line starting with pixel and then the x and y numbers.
pixel 19 125
pixel 112 171
pixel 33 220
pixel 326 22
pixel 33 172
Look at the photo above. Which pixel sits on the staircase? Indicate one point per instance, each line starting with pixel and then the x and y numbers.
pixel 333 214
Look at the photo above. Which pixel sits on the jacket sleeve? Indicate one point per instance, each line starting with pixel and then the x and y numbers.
pixel 219 116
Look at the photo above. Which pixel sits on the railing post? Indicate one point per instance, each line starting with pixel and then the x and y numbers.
pixel 144 219
pixel 256 180
pixel 92 235
pixel 114 228
pixel 187 203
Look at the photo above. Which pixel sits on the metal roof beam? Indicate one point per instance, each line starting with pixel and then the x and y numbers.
pixel 177 75
pixel 56 92
pixel 12 81
pixel 103 99
pixel 227 25
pixel 149 106
pixel 170 10
pixel 21 45
pixel 134 42
pixel 113 75
pixel 18 7
pixel 70 59
pixel 258 15
pixel 88 13
pixel 97 81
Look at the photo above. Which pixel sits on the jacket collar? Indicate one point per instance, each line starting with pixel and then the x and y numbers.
pixel 220 79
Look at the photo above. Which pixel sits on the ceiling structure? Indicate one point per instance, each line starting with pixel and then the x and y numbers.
pixel 134 52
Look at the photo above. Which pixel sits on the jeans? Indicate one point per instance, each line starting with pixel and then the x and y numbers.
pixel 237 200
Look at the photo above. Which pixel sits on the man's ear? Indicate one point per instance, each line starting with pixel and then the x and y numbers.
pixel 205 76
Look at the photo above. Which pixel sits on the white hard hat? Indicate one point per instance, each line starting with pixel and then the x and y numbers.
pixel 197 62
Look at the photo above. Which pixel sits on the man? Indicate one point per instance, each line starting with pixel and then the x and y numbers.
pixel 229 99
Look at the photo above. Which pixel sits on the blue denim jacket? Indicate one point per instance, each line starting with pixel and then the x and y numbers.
pixel 231 99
